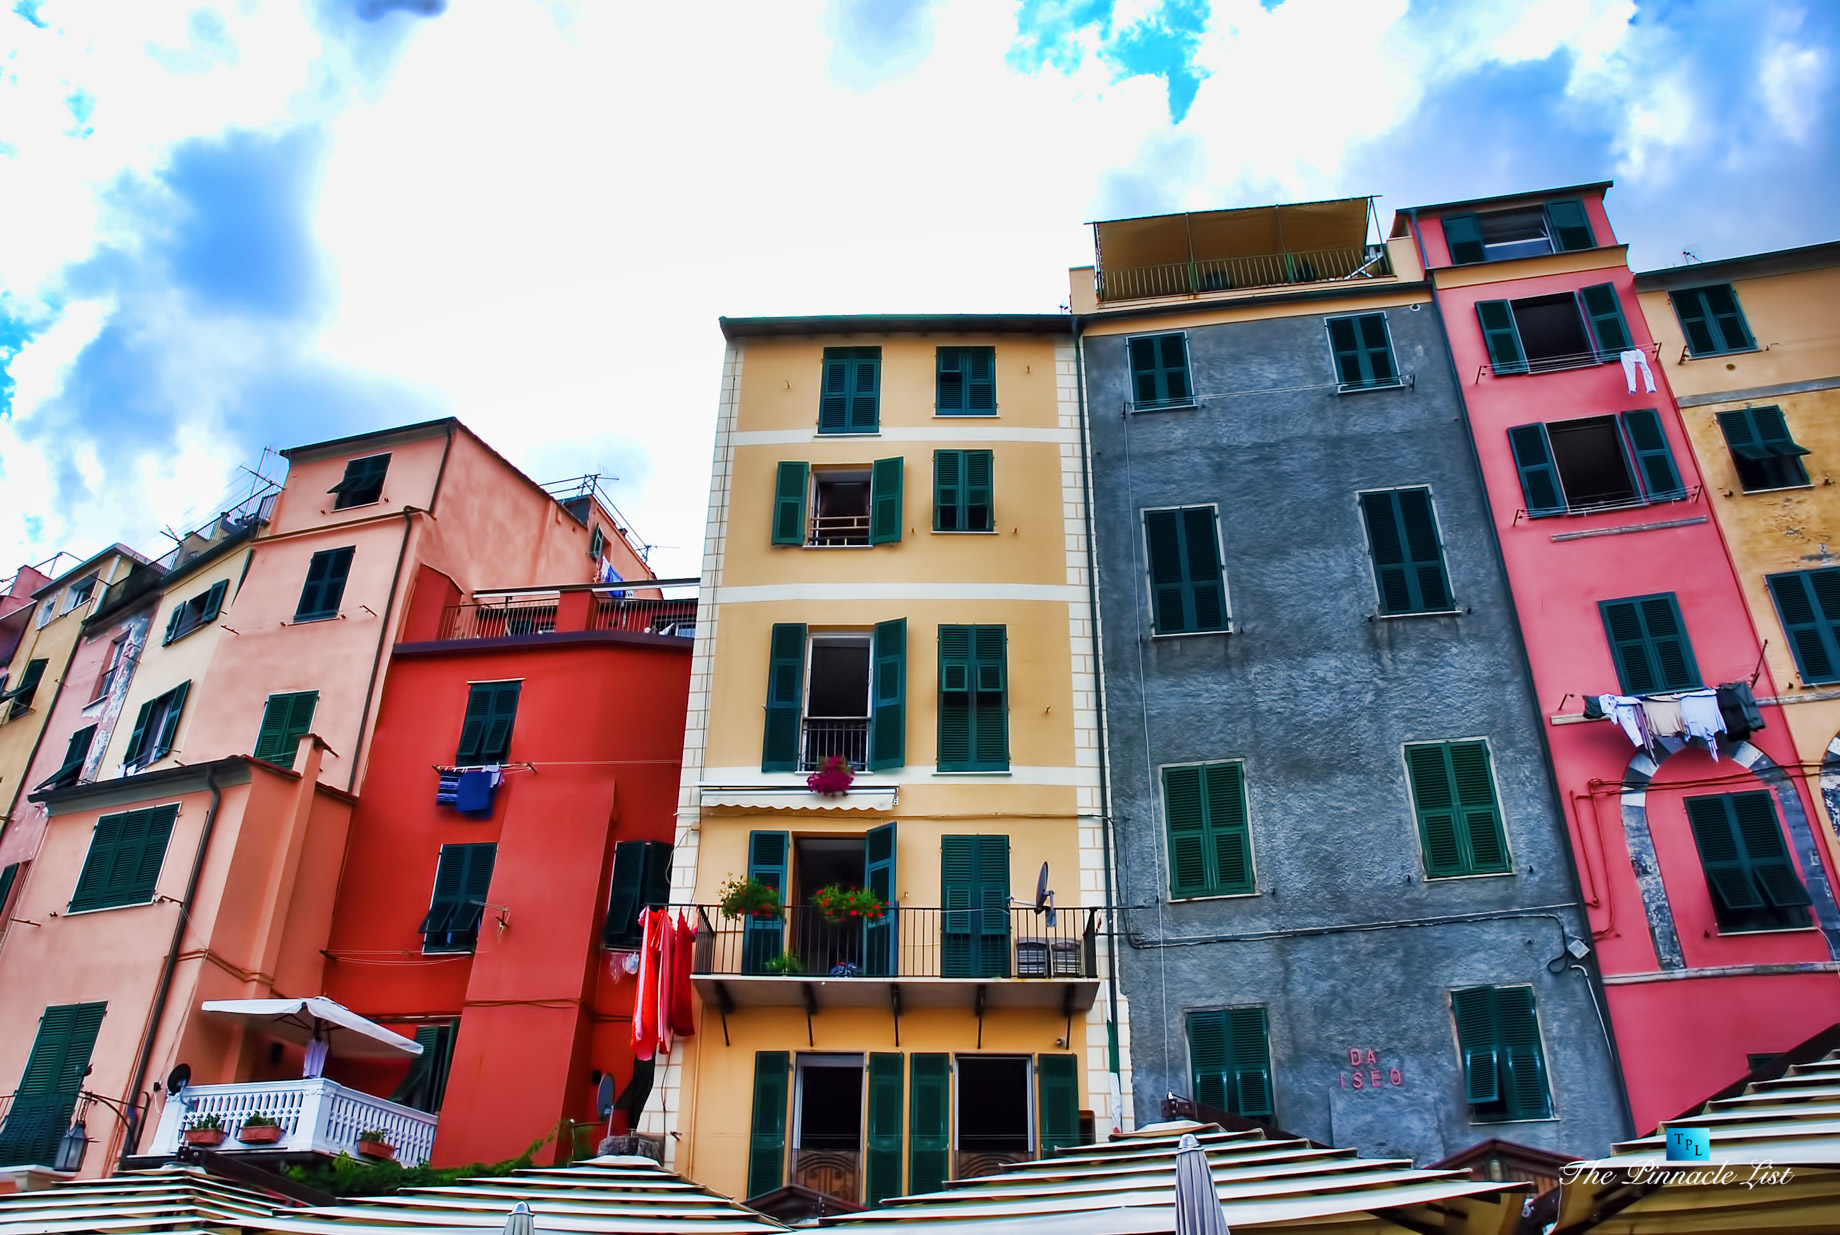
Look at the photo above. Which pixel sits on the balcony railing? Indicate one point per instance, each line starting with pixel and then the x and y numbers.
pixel 665 607
pixel 827 738
pixel 909 942
pixel 1220 274
pixel 316 1116
pixel 644 615
pixel 833 530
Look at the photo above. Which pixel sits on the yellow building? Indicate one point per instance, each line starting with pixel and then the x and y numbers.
pixel 895 575
pixel 1751 347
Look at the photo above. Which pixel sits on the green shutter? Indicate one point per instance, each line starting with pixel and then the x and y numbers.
pixel 1539 477
pixel 1765 850
pixel 1363 353
pixel 885 514
pixel 1459 819
pixel 1502 337
pixel 851 396
pixel 1346 346
pixel 1057 1103
pixel 473 724
pixel 1727 318
pixel 1606 316
pixel 973 699
pixel 462 882
pixel 980 507
pixel 137 740
pixel 767 1137
pixel 785 698
pixel 1747 863
pixel 929 1140
pixel 8 875
pixel 881 939
pixel 974 884
pixel 1571 227
pixel 169 722
pixel 76 754
pixel 1649 641
pixel 325 585
pixel 762 939
pixel 1463 237
pixel 1187 594
pixel 1434 801
pixel 1773 432
pixel 1210 843
pixel 888 726
pixel 47 1093
pixel 285 720
pixel 1648 448
pixel 1721 858
pixel 1159 371
pixel 1518 1030
pixel 882 1162
pixel 948 490
pixel 865 391
pixel 641 879
pixel 834 395
pixel 1229 1053
pixel 789 503
pixel 1478 1044
pixel 1742 437
pixel 299 722
pixel 1408 558
pixel 426 1083
pixel 967 383
pixel 126 853
pixel 1695 321
pixel 1808 603
pixel 955 698
pixel 491 714
pixel 178 614
pixel 214 601
pixel 1209 1059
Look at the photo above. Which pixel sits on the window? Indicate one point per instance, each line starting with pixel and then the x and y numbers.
pixel 846 1124
pixel 189 615
pixel 1229 1059
pixel 974 897
pixel 641 880
pixel 967 381
pixel 973 699
pixel 851 398
pixel 126 852
pixel 426 1084
pixel 325 585
pixel 849 505
pixel 852 702
pixel 1159 372
pixel 485 734
pixel 1504 1063
pixel 1564 331
pixel 118 651
pixel 285 720
pixel 1808 602
pixel 46 1096
pixel 155 728
pixel 9 875
pixel 827 1124
pixel 461 882
pixel 1500 235
pixel 1459 819
pixel 1712 320
pixel 1767 457
pixel 19 698
pixel 1402 535
pixel 1749 872
pixel 363 482
pixel 597 543
pixel 1187 594
pixel 79 593
pixel 1649 641
pixel 1210 841
pixel 1595 463
pixel 76 754
pixel 1363 352
pixel 994 1110
pixel 46 611
pixel 962 490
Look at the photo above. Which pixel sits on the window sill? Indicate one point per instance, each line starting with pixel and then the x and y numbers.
pixel 1779 488
pixel 939 415
pixel 84 913
pixel 1510 873
pixel 1768 930
pixel 1214 896
pixel 1509 1119
pixel 953 531
pixel 300 619
pixel 1420 613
pixel 830 546
pixel 972 772
pixel 338 509
pixel 1402 384
pixel 849 433
pixel 1736 351
pixel 428 951
pixel 1191 405
pixel 1189 634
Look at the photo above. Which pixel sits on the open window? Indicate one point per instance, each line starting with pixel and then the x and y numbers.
pixel 156 728
pixel 188 615
pixel 838 507
pixel 836 694
pixel 1568 330
pixel 1527 231
pixel 362 484
pixel 837 705
pixel 80 593
pixel 1594 463
pixel 995 1113
pixel 827 1124
pixel 112 667
pixel 804 939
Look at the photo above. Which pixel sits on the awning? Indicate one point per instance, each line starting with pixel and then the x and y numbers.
pixel 345 1033
pixel 878 799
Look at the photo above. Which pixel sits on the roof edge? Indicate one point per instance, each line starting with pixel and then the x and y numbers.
pixel 897 323
pixel 1510 197
pixel 1775 261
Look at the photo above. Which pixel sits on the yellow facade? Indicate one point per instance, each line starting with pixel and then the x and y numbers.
pixel 1790 305
pixel 1028 575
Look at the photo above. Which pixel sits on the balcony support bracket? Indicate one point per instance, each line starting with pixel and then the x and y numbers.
pixel 1067 1010
pixel 810 994
pixel 726 1003
pixel 894 1003
pixel 977 1003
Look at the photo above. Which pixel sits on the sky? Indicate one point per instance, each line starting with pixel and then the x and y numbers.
pixel 232 226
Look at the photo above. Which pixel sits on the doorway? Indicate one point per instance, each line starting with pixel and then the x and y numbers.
pixel 828 1125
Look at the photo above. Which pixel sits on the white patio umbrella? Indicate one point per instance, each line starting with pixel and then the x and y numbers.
pixel 520 1221
pixel 324 1026
pixel 1198 1209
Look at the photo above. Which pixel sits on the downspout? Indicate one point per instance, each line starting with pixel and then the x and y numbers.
pixel 1105 786
pixel 172 955
pixel 1593 979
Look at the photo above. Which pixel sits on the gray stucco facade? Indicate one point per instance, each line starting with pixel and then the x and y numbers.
pixel 1348 946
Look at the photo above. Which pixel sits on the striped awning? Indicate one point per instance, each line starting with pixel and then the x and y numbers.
pixel 1128 1186
pixel 170 1199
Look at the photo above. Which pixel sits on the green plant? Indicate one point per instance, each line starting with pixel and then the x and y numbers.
pixel 379 1135
pixel 205 1123
pixel 784 963
pixel 841 905
pixel 259 1120
pixel 744 897
pixel 349 1176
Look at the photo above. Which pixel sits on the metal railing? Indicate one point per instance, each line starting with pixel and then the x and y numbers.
pixel 644 615
pixel 499 620
pixel 825 739
pixel 643 607
pixel 316 1116
pixel 833 530
pixel 1221 274
pixel 908 942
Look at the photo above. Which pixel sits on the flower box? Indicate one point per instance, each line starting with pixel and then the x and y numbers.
pixel 204 1138
pixel 383 1151
pixel 261 1134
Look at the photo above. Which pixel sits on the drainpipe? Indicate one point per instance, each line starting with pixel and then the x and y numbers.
pixel 172 955
pixel 383 635
pixel 1105 785
pixel 1593 979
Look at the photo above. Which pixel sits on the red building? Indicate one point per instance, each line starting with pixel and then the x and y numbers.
pixel 1712 908
pixel 484 933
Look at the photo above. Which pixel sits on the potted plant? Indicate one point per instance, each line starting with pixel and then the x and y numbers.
pixel 259 1129
pixel 833 777
pixel 784 964
pixel 205 1131
pixel 743 898
pixel 842 906
pixel 375 1143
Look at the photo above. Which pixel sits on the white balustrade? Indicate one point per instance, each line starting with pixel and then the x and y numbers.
pixel 316 1116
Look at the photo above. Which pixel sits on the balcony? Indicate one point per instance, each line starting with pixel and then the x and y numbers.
pixel 915 957
pixel 827 738
pixel 1221 274
pixel 317 1116
pixel 664 608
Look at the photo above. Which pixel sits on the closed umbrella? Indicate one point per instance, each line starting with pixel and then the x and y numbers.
pixel 1198 1209
pixel 520 1221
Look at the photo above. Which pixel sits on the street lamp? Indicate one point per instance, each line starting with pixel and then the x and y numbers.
pixel 71 1147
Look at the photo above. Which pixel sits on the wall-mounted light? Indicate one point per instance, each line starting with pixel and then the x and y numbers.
pixel 71 1147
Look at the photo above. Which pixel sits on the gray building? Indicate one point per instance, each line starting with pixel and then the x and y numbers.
pixel 1343 878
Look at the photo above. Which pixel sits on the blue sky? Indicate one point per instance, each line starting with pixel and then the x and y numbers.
pixel 253 223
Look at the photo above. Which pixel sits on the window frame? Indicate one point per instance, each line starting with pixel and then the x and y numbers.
pixel 1631 456
pixel 338 490
pixel 1392 353
pixel 1825 630
pixel 851 357
pixel 1437 529
pixel 171 811
pixel 1032 1118
pixel 964 486
pixel 160 731
pixel 468 946
pixel 1190 402
pixel 1720 911
pixel 331 556
pixel 1149 575
pixel 1711 322
pixel 1756 428
pixel 1696 678
pixel 1214 890
pixel 972 764
pixel 118 652
pixel 1477 1116
pixel 79 594
pixel 939 411
pixel 1599 352
pixel 1234 1103
pixel 1508 868
pixel 473 690
pixel 196 612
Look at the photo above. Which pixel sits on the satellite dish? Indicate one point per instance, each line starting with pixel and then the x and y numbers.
pixel 603 1095
pixel 1044 896
pixel 179 1078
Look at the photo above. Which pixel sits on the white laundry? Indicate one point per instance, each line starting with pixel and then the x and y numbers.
pixel 1699 712
pixel 1633 359
pixel 1627 711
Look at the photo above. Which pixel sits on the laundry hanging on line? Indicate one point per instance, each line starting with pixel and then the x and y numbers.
pixel 1633 359
pixel 1700 714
